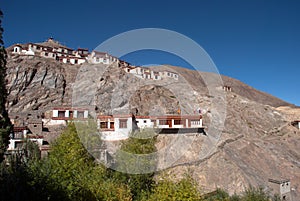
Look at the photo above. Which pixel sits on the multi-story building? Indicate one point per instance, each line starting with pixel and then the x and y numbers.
pixel 116 127
pixel 282 188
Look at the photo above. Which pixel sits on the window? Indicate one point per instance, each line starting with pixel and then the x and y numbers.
pixel 61 113
pixel 163 122
pixel 76 61
pixel 71 114
pixel 123 123
pixel 112 125
pixel 18 145
pixel 195 122
pixel 145 121
pixel 46 54
pixel 103 124
pixel 178 122
pixel 80 114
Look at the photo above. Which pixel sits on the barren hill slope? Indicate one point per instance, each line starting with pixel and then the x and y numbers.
pixel 257 141
pixel 237 87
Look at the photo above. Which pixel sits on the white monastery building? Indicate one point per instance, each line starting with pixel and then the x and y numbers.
pixel 116 127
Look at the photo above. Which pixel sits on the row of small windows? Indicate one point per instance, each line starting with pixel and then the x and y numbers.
pixel 122 124
pixel 98 60
pixel 171 75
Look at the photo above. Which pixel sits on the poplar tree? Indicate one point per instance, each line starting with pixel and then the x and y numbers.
pixel 5 125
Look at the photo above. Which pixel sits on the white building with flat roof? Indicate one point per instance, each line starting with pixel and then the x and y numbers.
pixel 117 127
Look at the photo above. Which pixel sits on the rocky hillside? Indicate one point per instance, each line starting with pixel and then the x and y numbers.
pixel 256 143
pixel 35 83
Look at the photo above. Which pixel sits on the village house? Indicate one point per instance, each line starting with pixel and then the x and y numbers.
pixel 71 60
pixel 35 126
pixel 17 48
pixel 21 134
pixel 52 49
pixel 169 74
pixel 61 115
pixel 123 64
pixel 101 57
pixel 145 73
pixel 155 75
pixel 82 52
pixel 16 144
pixel 130 69
pixel 281 188
pixel 22 50
pixel 51 45
pixel 117 127
pixel 138 71
pixel 227 88
pixel 296 124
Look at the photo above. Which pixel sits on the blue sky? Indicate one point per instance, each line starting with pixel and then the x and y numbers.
pixel 257 41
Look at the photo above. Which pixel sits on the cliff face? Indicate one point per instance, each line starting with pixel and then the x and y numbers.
pixel 35 83
pixel 256 143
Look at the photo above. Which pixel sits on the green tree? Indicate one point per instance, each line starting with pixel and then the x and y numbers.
pixel 5 125
pixel 255 194
pixel 73 168
pixel 218 195
pixel 136 162
pixel 168 190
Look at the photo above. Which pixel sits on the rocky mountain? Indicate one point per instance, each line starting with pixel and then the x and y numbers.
pixel 249 136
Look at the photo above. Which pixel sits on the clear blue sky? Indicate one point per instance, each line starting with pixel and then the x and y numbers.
pixel 255 41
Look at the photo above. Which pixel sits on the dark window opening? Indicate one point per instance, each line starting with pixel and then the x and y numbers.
pixel 80 114
pixel 18 145
pixel 164 122
pixel 178 122
pixel 123 123
pixel 61 113
pixel 71 114
pixel 103 124
pixel 112 125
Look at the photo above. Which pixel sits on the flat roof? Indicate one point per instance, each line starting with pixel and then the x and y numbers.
pixel 280 181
